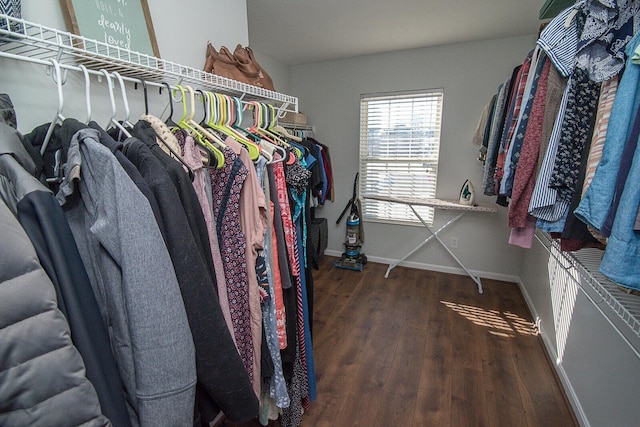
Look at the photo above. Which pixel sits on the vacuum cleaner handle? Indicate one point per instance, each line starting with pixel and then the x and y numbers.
pixel 352 202
pixel 344 211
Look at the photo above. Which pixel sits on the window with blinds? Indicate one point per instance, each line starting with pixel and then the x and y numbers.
pixel 399 144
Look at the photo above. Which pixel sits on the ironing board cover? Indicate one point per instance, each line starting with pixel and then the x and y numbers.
pixel 436 203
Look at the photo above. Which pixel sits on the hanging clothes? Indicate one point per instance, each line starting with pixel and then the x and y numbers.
pixel 282 275
pixel 595 204
pixel 64 396
pixel 515 104
pixel 488 182
pixel 222 382
pixel 226 185
pixel 133 173
pixel 513 155
pixel 544 203
pixel 193 158
pixel 521 223
pixel 43 221
pixel 266 268
pixel 577 130
pixel 113 225
pixel 524 174
pixel 253 223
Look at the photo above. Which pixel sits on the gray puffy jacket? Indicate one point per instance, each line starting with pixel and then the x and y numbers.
pixel 42 376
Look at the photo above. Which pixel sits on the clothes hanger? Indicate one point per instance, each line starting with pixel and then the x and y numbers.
pixel 237 123
pixel 205 108
pixel 169 122
pixel 219 121
pixel 285 133
pixel 205 138
pixel 275 127
pixel 260 125
pixel 234 121
pixel 258 121
pixel 189 119
pixel 265 124
pixel 299 150
pixel 112 121
pixel 87 90
pixel 58 118
pixel 268 147
pixel 159 138
pixel 266 144
pixel 146 97
pixel 123 90
pixel 222 124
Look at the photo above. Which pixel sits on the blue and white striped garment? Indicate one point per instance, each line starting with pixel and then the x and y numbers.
pixel 544 201
pixel 559 39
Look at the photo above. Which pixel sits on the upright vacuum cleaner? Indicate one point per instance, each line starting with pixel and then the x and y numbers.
pixel 352 258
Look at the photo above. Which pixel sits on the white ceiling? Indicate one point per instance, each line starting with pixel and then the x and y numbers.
pixel 302 31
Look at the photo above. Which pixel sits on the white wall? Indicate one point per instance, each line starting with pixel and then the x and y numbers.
pixel 182 28
pixel 278 71
pixel 599 371
pixel 182 32
pixel 329 93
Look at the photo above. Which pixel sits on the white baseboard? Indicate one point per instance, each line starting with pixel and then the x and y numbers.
pixel 553 357
pixel 433 267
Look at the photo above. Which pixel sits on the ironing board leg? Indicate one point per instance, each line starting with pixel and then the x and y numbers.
pixel 434 234
pixel 427 240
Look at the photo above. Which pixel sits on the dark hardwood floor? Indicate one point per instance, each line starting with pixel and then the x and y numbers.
pixel 425 349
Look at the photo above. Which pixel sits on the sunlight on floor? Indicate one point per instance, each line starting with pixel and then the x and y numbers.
pixel 505 324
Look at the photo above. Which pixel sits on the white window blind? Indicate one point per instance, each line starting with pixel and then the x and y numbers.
pixel 399 144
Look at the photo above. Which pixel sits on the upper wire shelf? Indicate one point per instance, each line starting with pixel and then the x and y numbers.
pixel 23 39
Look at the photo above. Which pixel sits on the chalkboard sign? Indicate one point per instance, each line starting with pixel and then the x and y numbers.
pixel 122 23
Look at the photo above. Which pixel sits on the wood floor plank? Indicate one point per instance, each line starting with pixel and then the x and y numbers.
pixel 468 403
pixel 433 406
pixel 397 406
pixel 426 349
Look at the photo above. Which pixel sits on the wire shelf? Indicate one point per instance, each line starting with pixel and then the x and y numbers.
pixel 623 305
pixel 23 39
pixel 295 126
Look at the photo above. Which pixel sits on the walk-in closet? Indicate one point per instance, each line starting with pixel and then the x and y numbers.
pixel 294 213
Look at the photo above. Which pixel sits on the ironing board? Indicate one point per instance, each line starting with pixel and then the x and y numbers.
pixel 436 204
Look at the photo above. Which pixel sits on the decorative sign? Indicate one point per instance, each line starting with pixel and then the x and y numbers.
pixel 122 23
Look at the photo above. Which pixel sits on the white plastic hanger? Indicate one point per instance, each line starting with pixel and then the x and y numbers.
pixel 87 90
pixel 58 118
pixel 112 120
pixel 125 100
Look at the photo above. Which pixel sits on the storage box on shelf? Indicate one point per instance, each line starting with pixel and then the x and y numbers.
pixel 294 118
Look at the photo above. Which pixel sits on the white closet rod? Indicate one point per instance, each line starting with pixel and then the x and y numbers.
pixel 100 75
pixel 561 263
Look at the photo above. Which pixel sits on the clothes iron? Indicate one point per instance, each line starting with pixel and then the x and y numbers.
pixel 467 194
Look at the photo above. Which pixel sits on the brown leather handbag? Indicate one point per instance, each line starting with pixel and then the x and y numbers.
pixel 249 66
pixel 243 67
pixel 222 65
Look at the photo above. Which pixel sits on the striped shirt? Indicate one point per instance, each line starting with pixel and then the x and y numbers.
pixel 605 104
pixel 559 39
pixel 544 201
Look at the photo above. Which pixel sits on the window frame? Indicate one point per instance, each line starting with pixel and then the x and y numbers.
pixel 403 213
